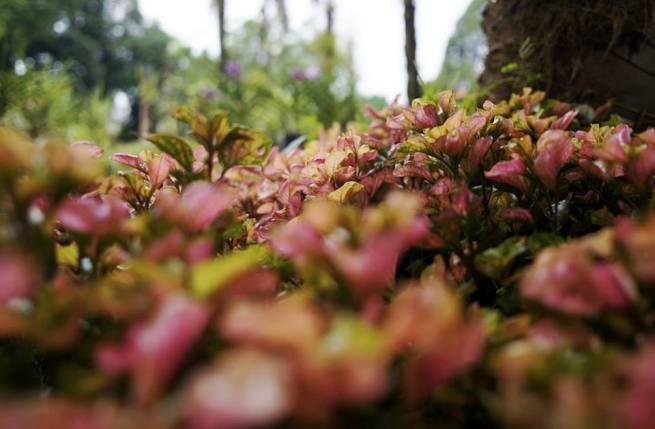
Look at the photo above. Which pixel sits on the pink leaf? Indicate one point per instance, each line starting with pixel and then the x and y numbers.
pixel 515 214
pixel 398 122
pixel 568 280
pixel 200 204
pixel 17 275
pixel 168 246
pixel 636 408
pixel 554 149
pixel 297 238
pixel 448 358
pixel 614 148
pixel 510 173
pixel 372 267
pixel 87 149
pixel 291 324
pixel 261 283
pixel 564 122
pixel 129 160
pixel 199 250
pixel 428 319
pixel 96 215
pixel 245 389
pixel 477 152
pixel 425 115
pixel 153 350
pixel 636 240
pixel 641 167
pixel 158 170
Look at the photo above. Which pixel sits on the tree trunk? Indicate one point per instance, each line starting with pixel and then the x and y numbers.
pixel 413 88
pixel 583 51
pixel 282 14
pixel 222 60
pixel 329 18
pixel 329 48
pixel 144 118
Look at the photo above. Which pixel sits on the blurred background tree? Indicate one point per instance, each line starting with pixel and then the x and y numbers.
pixel 465 54
pixel 274 79
pixel 87 48
pixel 60 59
pixel 63 60
pixel 96 70
pixel 413 86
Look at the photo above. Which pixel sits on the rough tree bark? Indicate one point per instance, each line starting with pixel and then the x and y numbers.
pixel 413 87
pixel 587 51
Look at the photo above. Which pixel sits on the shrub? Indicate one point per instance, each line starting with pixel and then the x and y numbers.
pixel 491 269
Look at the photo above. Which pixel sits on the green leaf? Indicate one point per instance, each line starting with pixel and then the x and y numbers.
pixel 349 193
pixel 133 181
pixel 495 262
pixel 349 336
pixel 414 143
pixel 209 276
pixel 526 49
pixel 243 146
pixel 220 127
pixel 184 114
pixel 601 217
pixel 196 121
pixel 509 68
pixel 176 147
pixel 541 240
pixel 234 231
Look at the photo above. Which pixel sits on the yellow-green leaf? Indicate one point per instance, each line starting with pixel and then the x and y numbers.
pixel 349 336
pixel 196 121
pixel 209 276
pixel 349 193
pixel 496 261
pixel 68 255
pixel 243 146
pixel 414 143
pixel 220 127
pixel 176 147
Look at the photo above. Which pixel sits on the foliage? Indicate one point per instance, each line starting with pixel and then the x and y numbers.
pixel 100 40
pixel 438 268
pixel 36 102
pixel 465 53
pixel 278 82
pixel 60 59
pixel 44 104
pixel 96 43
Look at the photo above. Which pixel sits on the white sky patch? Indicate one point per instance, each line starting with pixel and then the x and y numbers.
pixel 375 28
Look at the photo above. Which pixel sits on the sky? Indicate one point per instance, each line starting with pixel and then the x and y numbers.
pixel 374 27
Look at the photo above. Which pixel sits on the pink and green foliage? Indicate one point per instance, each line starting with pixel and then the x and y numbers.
pixel 440 269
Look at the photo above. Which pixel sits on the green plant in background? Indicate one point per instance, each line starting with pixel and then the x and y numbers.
pixel 92 122
pixel 44 104
pixel 37 101
pixel 96 43
pixel 465 53
pixel 94 50
pixel 464 60
pixel 281 83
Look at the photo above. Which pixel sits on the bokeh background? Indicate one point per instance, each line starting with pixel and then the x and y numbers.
pixel 111 71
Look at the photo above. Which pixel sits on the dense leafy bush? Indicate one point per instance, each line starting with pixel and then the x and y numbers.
pixel 43 104
pixel 492 269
